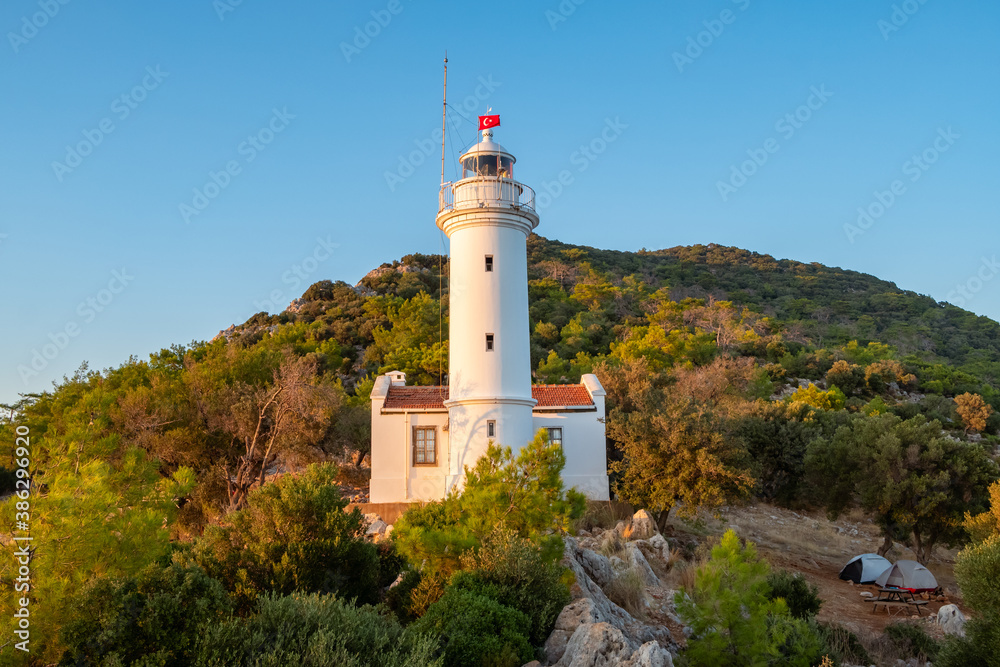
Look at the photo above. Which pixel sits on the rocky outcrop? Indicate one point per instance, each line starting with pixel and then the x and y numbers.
pixel 593 631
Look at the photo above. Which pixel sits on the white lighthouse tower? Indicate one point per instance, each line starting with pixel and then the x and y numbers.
pixel 424 437
pixel 488 216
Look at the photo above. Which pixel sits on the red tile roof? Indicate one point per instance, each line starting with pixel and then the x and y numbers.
pixel 558 395
pixel 433 398
pixel 415 398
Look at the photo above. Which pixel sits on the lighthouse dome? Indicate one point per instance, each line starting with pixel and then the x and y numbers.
pixel 487 158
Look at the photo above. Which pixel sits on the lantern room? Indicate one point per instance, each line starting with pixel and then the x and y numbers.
pixel 487 158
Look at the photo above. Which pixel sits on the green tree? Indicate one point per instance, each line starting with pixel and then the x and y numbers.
pixel 293 536
pixel 733 622
pixel 522 494
pixel 905 474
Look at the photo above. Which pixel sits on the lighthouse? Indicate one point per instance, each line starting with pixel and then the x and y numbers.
pixel 425 437
pixel 487 215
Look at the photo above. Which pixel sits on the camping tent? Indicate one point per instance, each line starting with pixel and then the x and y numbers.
pixel 908 574
pixel 864 569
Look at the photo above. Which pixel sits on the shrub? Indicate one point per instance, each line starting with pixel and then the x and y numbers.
pixel 153 618
pixel 512 571
pixel 294 535
pixel 476 629
pixel 801 597
pixel 399 598
pixel 843 645
pixel 314 630
pixel 913 641
pixel 977 570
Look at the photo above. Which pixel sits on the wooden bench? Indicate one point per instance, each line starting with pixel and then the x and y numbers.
pixel 896 603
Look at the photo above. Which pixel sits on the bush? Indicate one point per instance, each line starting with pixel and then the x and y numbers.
pixel 294 535
pixel 801 597
pixel 314 631
pixel 843 645
pixel 977 570
pixel 911 640
pixel 979 646
pixel 399 598
pixel 154 618
pixel 512 571
pixel 477 630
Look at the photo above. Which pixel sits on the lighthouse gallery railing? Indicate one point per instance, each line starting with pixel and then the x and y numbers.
pixel 485 191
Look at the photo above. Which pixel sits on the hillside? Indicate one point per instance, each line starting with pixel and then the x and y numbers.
pixel 582 299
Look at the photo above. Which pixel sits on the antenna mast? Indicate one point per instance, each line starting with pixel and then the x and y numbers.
pixel 444 112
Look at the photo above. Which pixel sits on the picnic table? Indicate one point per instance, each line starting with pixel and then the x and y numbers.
pixel 895 597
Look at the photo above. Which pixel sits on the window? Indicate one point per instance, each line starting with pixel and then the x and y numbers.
pixel 424 446
pixel 555 436
pixel 491 429
pixel 489 263
pixel 489 342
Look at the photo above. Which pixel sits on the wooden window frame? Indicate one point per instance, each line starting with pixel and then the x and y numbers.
pixel 424 463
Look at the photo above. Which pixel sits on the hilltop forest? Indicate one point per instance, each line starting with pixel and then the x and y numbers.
pixel 730 375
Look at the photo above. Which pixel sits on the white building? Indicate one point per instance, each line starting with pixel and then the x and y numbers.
pixel 424 437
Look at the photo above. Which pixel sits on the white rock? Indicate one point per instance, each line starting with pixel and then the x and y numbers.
pixel 377 527
pixel 638 561
pixel 596 645
pixel 650 654
pixel 951 620
pixel 642 527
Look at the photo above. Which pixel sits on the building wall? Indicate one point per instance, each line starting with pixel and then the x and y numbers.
pixel 584 446
pixel 394 477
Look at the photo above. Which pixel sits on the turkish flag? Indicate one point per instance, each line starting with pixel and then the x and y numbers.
pixel 486 122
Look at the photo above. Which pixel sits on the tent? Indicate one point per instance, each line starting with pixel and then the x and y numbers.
pixel 864 569
pixel 909 575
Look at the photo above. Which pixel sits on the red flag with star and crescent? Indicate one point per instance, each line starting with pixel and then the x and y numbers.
pixel 486 122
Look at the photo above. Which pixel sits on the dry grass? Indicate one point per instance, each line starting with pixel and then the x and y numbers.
pixel 628 592
pixel 612 544
pixel 603 514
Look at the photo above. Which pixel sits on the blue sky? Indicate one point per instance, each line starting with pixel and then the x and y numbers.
pixel 763 125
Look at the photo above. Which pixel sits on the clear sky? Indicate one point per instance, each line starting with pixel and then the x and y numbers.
pixel 114 115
